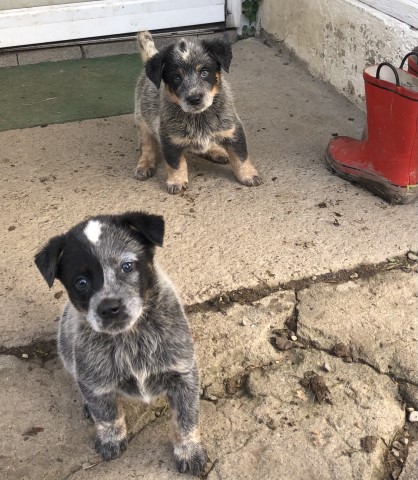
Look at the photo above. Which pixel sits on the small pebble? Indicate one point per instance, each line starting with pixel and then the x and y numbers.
pixel 354 275
pixel 412 257
pixel 85 465
pixel 314 278
pixel 25 355
pixel 293 338
pixel 327 367
pixel 405 441
pixel 212 398
pixel 410 409
pixel 413 416
pixel 395 453
pixel 397 445
pixel 244 322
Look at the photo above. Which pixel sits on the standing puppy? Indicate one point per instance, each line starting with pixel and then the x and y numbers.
pixel 193 110
pixel 123 330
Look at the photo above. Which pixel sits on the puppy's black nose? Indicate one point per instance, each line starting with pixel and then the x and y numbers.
pixel 195 99
pixel 109 308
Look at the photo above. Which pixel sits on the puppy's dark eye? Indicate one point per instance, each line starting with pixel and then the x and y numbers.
pixel 177 79
pixel 204 72
pixel 81 283
pixel 127 267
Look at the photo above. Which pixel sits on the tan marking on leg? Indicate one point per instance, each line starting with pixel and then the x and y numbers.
pixel 112 431
pixel 111 437
pixel 177 179
pixel 150 151
pixel 183 441
pixel 189 452
pixel 245 171
pixel 217 154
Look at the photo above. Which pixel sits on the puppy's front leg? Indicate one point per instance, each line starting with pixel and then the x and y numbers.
pixel 183 396
pixel 111 434
pixel 244 170
pixel 176 166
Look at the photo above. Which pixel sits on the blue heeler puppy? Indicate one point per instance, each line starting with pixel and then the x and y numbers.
pixel 183 104
pixel 123 330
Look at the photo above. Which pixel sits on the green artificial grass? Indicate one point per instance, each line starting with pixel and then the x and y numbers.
pixel 59 92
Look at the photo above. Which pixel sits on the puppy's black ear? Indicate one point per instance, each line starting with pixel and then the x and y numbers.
pixel 149 228
pixel 154 68
pixel 221 51
pixel 47 259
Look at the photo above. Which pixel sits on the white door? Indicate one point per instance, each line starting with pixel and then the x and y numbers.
pixel 43 21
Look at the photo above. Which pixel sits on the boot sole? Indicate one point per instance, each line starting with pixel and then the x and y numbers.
pixel 375 184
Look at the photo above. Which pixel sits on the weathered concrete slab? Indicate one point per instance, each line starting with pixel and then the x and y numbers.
pixel 377 319
pixel 220 235
pixel 232 343
pixel 302 439
pixel 27 57
pixel 259 431
pixel 44 434
pixel 106 49
pixel 410 470
pixel 8 59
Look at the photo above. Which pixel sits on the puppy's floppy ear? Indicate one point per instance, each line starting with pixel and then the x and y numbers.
pixel 154 68
pixel 221 51
pixel 149 228
pixel 47 259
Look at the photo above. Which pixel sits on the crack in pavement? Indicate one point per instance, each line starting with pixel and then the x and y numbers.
pixel 46 349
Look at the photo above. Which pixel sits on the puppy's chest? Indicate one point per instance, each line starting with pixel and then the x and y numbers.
pixel 134 383
pixel 199 136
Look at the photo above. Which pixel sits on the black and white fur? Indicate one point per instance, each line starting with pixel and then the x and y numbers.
pixel 183 104
pixel 123 330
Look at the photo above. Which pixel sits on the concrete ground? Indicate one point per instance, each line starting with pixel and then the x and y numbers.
pixel 305 273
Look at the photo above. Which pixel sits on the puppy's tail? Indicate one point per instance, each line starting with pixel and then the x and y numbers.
pixel 146 45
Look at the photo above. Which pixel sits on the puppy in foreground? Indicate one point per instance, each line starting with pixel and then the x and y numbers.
pixel 123 331
pixel 192 111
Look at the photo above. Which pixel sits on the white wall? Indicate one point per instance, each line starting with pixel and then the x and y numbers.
pixel 338 38
pixel 9 4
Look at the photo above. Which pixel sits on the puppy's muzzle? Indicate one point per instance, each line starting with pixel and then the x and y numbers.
pixel 111 311
pixel 194 100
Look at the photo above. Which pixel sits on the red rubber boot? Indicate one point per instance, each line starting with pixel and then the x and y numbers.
pixel 412 58
pixel 386 162
pixel 412 62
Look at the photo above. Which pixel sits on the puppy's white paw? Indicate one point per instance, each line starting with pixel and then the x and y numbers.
pixel 174 188
pixel 144 173
pixel 110 450
pixel 190 457
pixel 254 181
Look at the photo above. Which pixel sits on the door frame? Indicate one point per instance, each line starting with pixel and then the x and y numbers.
pixel 55 23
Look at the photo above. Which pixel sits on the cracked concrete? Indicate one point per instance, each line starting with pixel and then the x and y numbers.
pixel 375 318
pixel 258 421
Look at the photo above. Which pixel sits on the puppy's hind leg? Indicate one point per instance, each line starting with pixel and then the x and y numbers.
pixel 149 152
pixel 217 154
pixel 183 396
